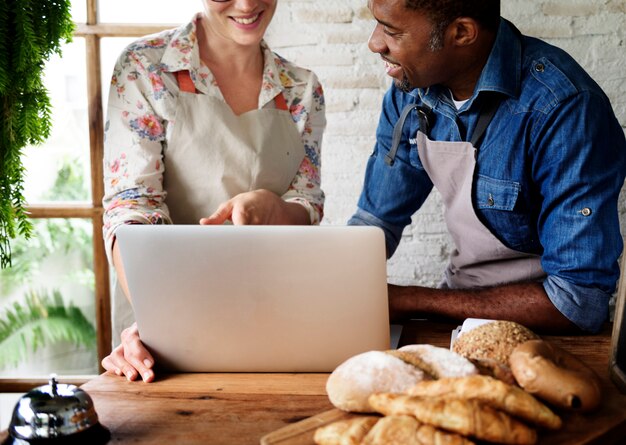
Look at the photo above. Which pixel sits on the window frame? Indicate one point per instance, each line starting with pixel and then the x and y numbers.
pixel 92 31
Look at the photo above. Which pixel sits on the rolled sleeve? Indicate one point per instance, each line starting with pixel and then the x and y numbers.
pixel 586 307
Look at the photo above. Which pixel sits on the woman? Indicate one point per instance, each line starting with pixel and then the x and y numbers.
pixel 205 124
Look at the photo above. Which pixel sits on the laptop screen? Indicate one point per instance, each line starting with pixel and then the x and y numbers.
pixel 257 298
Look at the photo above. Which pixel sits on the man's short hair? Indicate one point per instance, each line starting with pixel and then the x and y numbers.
pixel 444 12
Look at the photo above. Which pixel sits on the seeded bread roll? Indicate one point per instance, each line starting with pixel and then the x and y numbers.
pixel 489 346
pixel 353 381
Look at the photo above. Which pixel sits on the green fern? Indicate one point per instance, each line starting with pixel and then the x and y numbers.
pixel 37 29
pixel 41 320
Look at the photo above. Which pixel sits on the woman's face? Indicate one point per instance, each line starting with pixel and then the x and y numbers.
pixel 241 21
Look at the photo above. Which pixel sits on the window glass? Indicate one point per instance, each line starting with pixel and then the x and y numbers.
pixel 59 169
pixel 79 11
pixel 47 302
pixel 148 11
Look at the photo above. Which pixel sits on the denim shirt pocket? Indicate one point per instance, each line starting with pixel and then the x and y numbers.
pixel 496 194
pixel 495 201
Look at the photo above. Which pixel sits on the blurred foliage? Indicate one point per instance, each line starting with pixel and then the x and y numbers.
pixel 30 32
pixel 54 236
pixel 39 321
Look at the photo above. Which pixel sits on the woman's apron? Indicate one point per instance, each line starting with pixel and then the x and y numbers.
pixel 479 258
pixel 213 155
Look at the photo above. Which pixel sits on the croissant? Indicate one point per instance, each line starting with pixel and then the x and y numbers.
pixel 463 416
pixel 494 393
pixel 389 430
pixel 345 432
pixel 407 430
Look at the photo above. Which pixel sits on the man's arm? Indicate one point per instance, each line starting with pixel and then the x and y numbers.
pixel 524 303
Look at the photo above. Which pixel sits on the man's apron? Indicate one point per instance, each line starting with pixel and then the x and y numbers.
pixel 213 155
pixel 479 258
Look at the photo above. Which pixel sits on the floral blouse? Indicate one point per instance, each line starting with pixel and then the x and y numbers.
pixel 140 120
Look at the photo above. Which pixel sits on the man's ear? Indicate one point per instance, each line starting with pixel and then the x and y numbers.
pixel 463 31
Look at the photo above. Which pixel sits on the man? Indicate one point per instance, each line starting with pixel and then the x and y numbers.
pixel 523 147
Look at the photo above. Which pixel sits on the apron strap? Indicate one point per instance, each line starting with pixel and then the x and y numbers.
pixel 184 82
pixel 488 110
pixel 280 102
pixel 423 115
pixel 186 85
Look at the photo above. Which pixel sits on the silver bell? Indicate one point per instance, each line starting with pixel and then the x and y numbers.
pixel 56 413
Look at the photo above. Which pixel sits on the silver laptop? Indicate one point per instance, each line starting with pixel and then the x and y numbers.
pixel 257 298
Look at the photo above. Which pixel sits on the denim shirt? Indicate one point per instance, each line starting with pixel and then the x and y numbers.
pixel 549 169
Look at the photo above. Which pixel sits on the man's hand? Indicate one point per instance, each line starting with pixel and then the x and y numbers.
pixel 258 207
pixel 130 358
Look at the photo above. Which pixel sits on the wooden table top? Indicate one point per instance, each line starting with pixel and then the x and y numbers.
pixel 241 408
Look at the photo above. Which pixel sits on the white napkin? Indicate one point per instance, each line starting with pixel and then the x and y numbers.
pixel 468 325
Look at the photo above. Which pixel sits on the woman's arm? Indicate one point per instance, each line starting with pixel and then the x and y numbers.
pixel 305 188
pixel 134 137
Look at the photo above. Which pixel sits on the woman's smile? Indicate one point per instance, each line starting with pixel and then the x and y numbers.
pixel 247 22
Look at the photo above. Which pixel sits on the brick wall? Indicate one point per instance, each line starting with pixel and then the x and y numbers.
pixel 329 36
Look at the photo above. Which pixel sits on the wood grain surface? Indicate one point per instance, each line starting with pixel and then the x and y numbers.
pixel 284 409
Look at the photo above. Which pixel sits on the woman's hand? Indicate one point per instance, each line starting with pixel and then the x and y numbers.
pixel 258 207
pixel 130 358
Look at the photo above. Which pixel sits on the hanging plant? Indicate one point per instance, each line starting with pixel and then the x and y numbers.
pixel 30 32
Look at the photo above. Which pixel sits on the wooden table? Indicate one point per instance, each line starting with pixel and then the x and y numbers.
pixel 241 408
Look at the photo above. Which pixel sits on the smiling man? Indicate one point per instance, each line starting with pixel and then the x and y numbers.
pixel 523 147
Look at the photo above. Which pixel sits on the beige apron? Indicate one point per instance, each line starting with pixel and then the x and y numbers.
pixel 213 155
pixel 479 258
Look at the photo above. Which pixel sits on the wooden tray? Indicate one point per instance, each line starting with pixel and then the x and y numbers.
pixel 605 427
pixel 301 433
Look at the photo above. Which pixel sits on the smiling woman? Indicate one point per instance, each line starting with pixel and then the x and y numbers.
pixel 206 124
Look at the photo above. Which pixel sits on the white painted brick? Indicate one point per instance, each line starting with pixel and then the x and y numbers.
pixel 616 6
pixel 324 11
pixel 571 8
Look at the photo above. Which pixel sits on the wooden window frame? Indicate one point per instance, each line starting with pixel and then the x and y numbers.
pixel 92 31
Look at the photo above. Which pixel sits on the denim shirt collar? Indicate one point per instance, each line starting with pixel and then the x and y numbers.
pixel 501 73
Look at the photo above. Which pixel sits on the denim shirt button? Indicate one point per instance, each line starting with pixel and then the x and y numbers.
pixel 490 201
pixel 539 67
pixel 586 211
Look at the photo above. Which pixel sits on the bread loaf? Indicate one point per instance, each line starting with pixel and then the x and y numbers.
pixel 435 361
pixel 556 376
pixel 352 382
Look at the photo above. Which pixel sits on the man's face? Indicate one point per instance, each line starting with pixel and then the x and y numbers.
pixel 402 37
